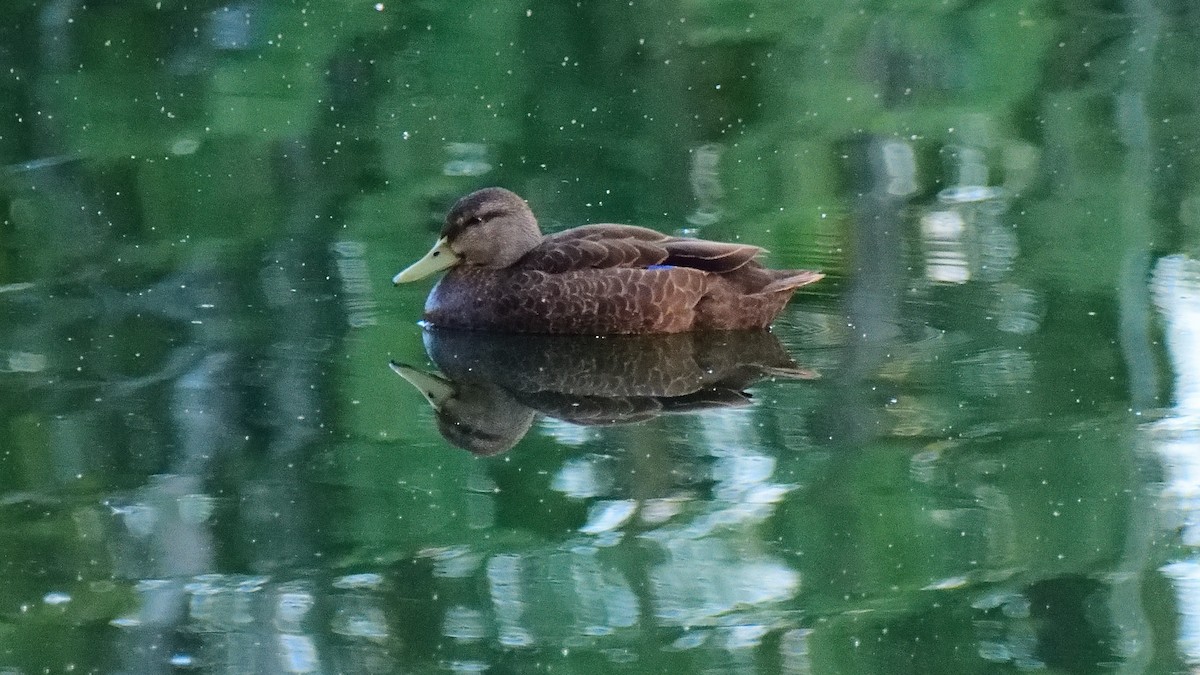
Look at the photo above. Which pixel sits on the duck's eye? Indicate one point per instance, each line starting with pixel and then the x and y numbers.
pixel 474 220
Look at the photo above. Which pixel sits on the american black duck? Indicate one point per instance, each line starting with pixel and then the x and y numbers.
pixel 492 386
pixel 504 275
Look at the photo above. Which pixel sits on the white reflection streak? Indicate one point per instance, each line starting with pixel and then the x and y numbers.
pixel 795 653
pixel 504 579
pixel 464 624
pixel 711 577
pixel 605 601
pixel 466 159
pixel 454 562
pixel 945 254
pixel 900 165
pixel 1176 292
pixel 703 581
pixel 706 184
pixel 584 477
pixel 743 491
pixel 297 649
pixel 608 515
pixel 1176 288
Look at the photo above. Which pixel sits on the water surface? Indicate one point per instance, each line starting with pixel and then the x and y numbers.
pixel 971 448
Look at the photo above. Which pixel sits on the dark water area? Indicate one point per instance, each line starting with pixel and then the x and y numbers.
pixel 227 444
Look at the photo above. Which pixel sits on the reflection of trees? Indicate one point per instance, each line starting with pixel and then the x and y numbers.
pixel 174 344
pixel 141 350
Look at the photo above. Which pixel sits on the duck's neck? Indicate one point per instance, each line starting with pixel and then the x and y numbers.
pixel 508 250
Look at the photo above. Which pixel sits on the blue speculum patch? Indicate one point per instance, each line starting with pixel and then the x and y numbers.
pixel 660 267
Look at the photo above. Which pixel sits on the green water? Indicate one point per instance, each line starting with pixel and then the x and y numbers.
pixel 983 459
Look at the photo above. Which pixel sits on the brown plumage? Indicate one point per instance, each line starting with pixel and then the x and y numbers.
pixel 493 386
pixel 598 279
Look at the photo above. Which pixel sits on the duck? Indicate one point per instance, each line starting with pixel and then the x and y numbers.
pixel 492 387
pixel 504 275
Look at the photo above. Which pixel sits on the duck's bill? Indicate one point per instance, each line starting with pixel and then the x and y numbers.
pixel 440 257
pixel 436 390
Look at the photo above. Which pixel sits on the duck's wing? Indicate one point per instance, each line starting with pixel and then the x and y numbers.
pixel 710 256
pixel 610 246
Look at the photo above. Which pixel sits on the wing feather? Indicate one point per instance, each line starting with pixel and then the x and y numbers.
pixel 630 246
pixel 710 256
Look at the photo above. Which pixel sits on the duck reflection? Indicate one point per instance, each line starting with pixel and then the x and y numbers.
pixel 493 386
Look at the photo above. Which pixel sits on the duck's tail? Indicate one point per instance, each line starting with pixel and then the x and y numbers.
pixel 790 280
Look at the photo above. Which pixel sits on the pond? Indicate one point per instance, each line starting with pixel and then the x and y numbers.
pixel 230 445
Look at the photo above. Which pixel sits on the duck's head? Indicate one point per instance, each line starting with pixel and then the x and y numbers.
pixel 478 417
pixel 492 227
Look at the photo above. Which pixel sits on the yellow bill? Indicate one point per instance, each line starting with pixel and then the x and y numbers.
pixel 435 389
pixel 440 257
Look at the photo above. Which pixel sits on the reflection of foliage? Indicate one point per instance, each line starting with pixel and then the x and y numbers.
pixel 163 127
